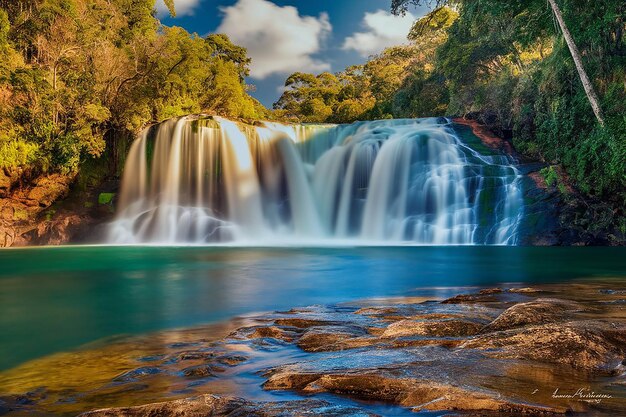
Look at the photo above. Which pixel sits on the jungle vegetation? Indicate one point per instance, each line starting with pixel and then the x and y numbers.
pixel 507 63
pixel 73 73
pixel 76 73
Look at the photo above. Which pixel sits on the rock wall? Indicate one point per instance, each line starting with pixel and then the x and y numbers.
pixel 48 209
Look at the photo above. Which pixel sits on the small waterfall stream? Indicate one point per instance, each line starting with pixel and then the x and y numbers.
pixel 198 180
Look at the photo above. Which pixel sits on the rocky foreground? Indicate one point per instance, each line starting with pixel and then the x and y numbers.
pixel 548 350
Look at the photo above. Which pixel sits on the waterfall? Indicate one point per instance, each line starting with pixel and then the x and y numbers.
pixel 200 180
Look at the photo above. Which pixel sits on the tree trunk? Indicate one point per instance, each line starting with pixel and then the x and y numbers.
pixel 589 90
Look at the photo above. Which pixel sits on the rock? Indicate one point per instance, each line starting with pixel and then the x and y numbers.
pixel 214 406
pixel 8 235
pixel 539 311
pixel 409 342
pixel 202 371
pixel 4 407
pixel 490 291
pixel 206 405
pixel 5 184
pixel 259 332
pixel 231 360
pixel 302 323
pixel 409 392
pixel 49 188
pixel 525 290
pixel 471 298
pixel 328 338
pixel 194 356
pixel 290 380
pixel 465 358
pixel 136 374
pixel 60 230
pixel 581 345
pixel 436 328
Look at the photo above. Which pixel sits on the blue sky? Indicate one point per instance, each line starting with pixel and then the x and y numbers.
pixel 284 36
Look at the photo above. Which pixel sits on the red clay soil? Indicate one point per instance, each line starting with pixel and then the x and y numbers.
pixel 485 135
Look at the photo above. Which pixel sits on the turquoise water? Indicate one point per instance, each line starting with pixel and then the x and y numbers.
pixel 55 299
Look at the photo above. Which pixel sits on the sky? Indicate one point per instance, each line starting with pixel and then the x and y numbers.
pixel 285 36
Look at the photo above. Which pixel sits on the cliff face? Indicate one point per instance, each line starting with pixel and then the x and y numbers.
pixel 51 209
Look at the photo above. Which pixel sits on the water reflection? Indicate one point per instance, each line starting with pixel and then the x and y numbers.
pixel 75 295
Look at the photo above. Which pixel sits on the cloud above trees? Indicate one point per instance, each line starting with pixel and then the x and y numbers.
pixel 278 39
pixel 381 30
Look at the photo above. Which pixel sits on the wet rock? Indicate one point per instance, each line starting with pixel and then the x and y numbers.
pixel 525 290
pixel 211 405
pixel 418 394
pixel 487 291
pixel 327 338
pixel 539 311
pixel 411 342
pixel 206 405
pixel 581 345
pixel 231 360
pixel 471 298
pixel 4 408
pixel 194 356
pixel 302 323
pixel 436 328
pixel 423 355
pixel 202 371
pixel 260 332
pixel 290 380
pixel 137 374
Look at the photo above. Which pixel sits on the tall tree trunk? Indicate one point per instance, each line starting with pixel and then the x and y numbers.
pixel 589 90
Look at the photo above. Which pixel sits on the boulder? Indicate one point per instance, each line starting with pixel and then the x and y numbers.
pixel 539 311
pixel 432 328
pixel 328 338
pixel 420 395
pixel 585 345
pixel 215 406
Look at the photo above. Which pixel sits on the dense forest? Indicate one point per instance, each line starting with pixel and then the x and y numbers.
pixel 73 73
pixel 507 64
pixel 77 74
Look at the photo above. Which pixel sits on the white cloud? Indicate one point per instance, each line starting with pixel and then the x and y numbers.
pixel 183 7
pixel 382 29
pixel 278 39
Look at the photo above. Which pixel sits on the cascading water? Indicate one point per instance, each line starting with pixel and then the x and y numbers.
pixel 204 180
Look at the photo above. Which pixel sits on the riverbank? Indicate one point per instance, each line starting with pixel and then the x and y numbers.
pixel 545 349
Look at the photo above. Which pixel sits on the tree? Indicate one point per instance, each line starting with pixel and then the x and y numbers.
pixel 401 7
pixel 74 73
pixel 223 48
pixel 170 7
pixel 589 90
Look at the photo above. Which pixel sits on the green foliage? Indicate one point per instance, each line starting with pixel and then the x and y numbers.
pixel 550 176
pixel 389 85
pixel 74 72
pixel 507 62
pixel 105 198
pixel 17 153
